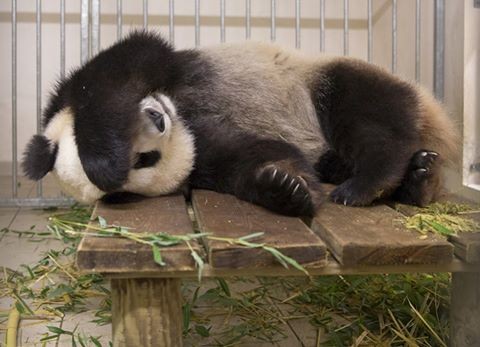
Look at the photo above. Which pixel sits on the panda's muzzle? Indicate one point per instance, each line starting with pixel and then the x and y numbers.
pixel 157 118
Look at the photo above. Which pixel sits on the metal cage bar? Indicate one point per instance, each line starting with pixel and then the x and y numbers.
pixel 345 27
pixel 171 20
pixel 273 23
pixel 369 31
pixel 62 39
pixel 145 14
pixel 394 36
pixel 439 49
pixel 197 23
pixel 95 30
pixel 119 19
pixel 38 53
pixel 248 19
pixel 14 100
pixel 84 34
pixel 297 24
pixel 222 21
pixel 322 25
pixel 418 23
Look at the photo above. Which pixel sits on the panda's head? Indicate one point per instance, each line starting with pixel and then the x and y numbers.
pixel 160 153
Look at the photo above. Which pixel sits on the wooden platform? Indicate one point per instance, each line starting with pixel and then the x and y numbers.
pixel 340 240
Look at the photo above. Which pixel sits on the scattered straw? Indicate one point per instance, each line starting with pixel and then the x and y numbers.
pixel 444 218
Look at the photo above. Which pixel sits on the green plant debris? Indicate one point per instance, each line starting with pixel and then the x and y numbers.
pixel 444 218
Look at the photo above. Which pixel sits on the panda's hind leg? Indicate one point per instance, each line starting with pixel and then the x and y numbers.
pixel 422 180
pixel 376 174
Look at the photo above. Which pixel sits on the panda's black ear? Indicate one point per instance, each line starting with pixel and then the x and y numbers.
pixel 39 157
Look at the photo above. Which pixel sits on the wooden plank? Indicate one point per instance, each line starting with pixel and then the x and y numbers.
pixel 224 215
pixel 332 268
pixel 163 214
pixel 147 312
pixel 467 246
pixel 465 310
pixel 374 236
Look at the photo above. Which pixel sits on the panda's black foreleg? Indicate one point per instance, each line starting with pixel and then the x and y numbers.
pixel 269 173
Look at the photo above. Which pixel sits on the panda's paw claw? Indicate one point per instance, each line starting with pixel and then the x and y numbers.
pixel 349 194
pixel 284 192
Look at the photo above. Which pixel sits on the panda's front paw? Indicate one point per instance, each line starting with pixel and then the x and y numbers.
pixel 284 192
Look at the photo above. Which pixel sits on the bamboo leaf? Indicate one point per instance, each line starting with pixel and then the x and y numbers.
pixel 157 256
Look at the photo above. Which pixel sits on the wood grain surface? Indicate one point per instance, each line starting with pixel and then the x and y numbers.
pixel 163 214
pixel 224 215
pixel 374 235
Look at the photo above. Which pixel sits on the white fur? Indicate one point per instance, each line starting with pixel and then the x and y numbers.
pixel 68 169
pixel 176 145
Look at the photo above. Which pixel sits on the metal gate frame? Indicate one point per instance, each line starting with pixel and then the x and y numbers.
pixel 90 45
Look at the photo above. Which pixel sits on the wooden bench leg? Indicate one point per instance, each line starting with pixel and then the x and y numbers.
pixel 146 312
pixel 465 310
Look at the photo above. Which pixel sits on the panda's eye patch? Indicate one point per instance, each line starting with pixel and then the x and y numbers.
pixel 157 118
pixel 147 159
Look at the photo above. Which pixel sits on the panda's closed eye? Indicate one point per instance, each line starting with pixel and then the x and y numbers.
pixel 157 118
pixel 147 159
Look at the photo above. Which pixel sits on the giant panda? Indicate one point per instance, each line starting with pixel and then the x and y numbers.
pixel 267 124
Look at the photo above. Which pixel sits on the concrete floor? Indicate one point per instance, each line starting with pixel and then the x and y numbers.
pixel 15 251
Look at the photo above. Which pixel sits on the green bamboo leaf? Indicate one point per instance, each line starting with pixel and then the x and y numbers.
pixel 157 256
pixel 199 261
pixel 223 284
pixel 202 330
pixel 95 341
pixel 252 236
pixel 102 222
pixel 186 309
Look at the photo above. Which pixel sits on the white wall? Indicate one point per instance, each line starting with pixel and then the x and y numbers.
pixel 472 95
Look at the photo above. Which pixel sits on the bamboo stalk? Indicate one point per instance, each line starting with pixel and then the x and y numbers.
pixel 12 327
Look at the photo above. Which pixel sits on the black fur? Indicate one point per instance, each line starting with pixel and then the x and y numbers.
pixel 147 159
pixel 104 95
pixel 239 163
pixel 368 120
pixel 39 157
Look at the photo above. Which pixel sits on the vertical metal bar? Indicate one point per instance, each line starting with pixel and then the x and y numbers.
pixel 273 18
pixel 322 25
pixel 248 19
pixel 222 21
pixel 197 23
pixel 84 44
pixel 95 41
pixel 439 49
pixel 370 31
pixel 145 14
pixel 418 24
pixel 119 19
pixel 345 27
pixel 297 24
pixel 62 39
pixel 394 36
pixel 171 20
pixel 14 99
pixel 38 53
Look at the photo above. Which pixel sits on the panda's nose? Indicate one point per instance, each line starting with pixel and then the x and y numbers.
pixel 157 119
